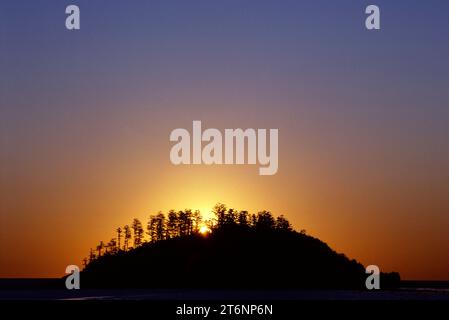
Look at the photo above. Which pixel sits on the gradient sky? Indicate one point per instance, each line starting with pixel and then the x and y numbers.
pixel 363 120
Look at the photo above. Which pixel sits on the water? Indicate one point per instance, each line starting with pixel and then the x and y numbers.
pixel 49 289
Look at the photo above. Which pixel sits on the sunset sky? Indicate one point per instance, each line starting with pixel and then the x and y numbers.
pixel 363 119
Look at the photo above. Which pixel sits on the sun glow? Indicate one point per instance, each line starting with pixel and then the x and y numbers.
pixel 204 230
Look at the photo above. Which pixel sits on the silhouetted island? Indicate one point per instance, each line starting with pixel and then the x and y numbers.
pixel 235 250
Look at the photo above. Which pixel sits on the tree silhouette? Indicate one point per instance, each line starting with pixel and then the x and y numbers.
pixel 220 214
pixel 185 222
pixel 197 221
pixel 151 228
pixel 283 224
pixel 231 217
pixel 252 240
pixel 265 221
pixel 160 227
pixel 111 247
pixel 243 218
pixel 100 248
pixel 138 232
pixel 253 220
pixel 127 236
pixel 91 255
pixel 172 224
pixel 119 237
pixel 242 250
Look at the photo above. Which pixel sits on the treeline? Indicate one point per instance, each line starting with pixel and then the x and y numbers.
pixel 184 223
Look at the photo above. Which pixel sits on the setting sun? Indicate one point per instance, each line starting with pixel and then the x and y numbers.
pixel 204 230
